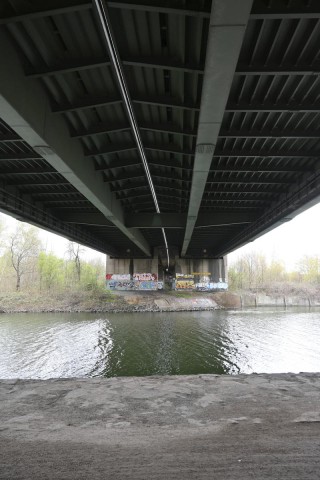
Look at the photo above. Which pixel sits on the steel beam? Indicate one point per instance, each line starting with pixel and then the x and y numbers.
pixel 25 107
pixel 169 149
pixel 236 201
pixel 244 190
pixel 46 12
pixel 159 7
pixel 250 181
pixel 22 210
pixel 265 153
pixel 125 177
pixel 178 220
pixel 19 156
pixel 256 169
pixel 37 182
pixel 85 218
pixel 111 149
pixel 277 70
pixel 260 12
pixel 79 64
pixel 280 107
pixel 67 66
pixel 166 63
pixel 30 171
pixel 49 194
pixel 152 6
pixel 118 148
pixel 9 137
pixel 171 102
pixel 76 201
pixel 162 220
pixel 228 22
pixel 130 176
pixel 91 101
pixel 269 133
pixel 131 186
pixel 132 163
pixel 143 203
pixel 103 128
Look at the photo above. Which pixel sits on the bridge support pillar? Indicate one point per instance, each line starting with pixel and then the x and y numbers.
pixel 118 265
pixel 217 267
pixel 146 265
pixel 132 265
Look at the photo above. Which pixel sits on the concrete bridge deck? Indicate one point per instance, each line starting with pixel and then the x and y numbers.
pixel 191 427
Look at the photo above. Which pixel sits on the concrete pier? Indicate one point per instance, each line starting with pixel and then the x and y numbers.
pixel 183 427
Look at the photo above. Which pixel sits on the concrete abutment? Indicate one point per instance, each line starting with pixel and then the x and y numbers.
pixel 215 268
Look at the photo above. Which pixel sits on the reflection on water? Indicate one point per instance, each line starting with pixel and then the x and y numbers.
pixel 73 345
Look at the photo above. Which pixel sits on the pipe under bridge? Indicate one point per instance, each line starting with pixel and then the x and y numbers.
pixel 134 125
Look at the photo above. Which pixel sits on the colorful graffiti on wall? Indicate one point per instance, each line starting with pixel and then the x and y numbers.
pixel 118 276
pixel 139 281
pixel 211 286
pixel 143 277
pixel 121 285
pixel 146 285
pixel 184 285
pixel 184 281
pixel 202 283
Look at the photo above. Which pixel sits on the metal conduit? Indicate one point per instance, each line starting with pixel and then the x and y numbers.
pixel 101 9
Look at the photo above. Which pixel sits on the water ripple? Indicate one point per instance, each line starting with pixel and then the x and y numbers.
pixel 69 345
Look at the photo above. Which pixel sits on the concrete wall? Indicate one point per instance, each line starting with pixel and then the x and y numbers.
pixel 145 265
pixel 130 266
pixel 117 265
pixel 216 266
pixel 263 300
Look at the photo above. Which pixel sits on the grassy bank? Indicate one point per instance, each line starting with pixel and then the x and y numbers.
pixel 101 300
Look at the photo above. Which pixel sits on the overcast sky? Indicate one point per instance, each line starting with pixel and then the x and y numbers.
pixel 289 242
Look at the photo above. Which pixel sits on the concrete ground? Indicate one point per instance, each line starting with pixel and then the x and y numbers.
pixel 186 427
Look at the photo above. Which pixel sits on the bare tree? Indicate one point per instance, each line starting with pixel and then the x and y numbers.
pixel 74 250
pixel 24 244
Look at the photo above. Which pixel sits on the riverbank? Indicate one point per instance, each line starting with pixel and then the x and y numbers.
pixel 194 427
pixel 160 301
pixel 104 301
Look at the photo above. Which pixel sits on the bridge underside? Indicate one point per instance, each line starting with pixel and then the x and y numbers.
pixel 225 96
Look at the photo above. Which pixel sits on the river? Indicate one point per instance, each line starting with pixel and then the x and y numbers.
pixel 87 345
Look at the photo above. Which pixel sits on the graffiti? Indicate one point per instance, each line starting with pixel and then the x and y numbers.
pixel 140 281
pixel 219 286
pixel 160 285
pixel 184 276
pixel 114 285
pixel 184 281
pixel 148 285
pixel 211 286
pixel 143 277
pixel 202 286
pixel 184 284
pixel 201 274
pixel 118 276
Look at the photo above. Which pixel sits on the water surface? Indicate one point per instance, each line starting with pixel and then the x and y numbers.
pixel 230 342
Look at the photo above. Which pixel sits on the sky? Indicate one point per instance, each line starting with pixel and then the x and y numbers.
pixel 51 242
pixel 288 243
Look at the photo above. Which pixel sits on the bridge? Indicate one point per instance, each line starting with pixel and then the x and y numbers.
pixel 183 127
